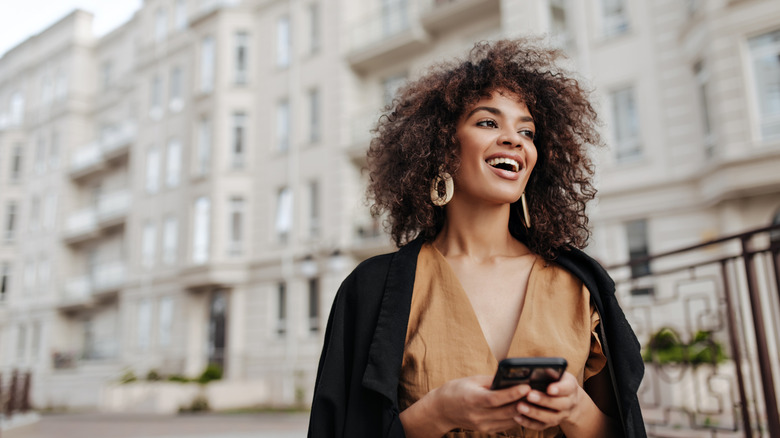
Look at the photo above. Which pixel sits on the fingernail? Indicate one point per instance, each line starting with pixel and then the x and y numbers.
pixel 524 408
pixel 534 397
pixel 553 390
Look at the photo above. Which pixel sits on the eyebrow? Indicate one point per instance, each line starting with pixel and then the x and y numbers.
pixel 497 112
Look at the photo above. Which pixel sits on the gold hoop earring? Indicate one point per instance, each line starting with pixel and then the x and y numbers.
pixel 449 189
pixel 526 219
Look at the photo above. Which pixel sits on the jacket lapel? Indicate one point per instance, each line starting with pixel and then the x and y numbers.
pixel 386 352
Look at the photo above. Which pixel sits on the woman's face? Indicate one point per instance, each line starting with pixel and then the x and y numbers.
pixel 497 151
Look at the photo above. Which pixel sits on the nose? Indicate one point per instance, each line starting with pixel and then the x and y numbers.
pixel 510 138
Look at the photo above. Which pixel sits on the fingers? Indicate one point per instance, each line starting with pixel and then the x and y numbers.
pixel 500 397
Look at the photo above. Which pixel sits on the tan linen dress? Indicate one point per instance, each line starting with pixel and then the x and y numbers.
pixel 444 340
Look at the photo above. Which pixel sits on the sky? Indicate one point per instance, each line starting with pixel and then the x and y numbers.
pixel 20 20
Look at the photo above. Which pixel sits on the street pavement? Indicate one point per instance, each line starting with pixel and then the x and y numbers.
pixel 260 425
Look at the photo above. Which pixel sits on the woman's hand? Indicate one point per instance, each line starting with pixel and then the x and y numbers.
pixel 466 403
pixel 566 405
pixel 541 410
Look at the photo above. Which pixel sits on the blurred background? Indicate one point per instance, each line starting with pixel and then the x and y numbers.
pixel 182 191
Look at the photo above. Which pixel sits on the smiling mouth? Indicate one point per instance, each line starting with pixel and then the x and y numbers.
pixel 504 164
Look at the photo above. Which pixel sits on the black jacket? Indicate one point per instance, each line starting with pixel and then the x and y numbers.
pixel 356 393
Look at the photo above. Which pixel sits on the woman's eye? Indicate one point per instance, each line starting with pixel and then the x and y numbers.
pixel 487 123
pixel 528 133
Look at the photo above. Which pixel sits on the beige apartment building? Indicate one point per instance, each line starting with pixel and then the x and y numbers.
pixel 189 188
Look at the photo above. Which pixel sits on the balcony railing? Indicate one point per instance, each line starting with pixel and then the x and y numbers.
pixel 383 23
pixel 110 209
pixel 113 143
pixel 386 35
pixel 710 332
pixel 103 278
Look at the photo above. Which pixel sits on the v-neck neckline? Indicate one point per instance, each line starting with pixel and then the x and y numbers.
pixel 461 294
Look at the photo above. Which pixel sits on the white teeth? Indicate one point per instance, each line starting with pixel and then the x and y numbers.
pixel 501 160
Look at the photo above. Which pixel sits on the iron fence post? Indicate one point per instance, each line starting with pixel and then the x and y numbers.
pixel 764 362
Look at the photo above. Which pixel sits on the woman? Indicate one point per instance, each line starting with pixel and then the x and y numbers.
pixel 481 167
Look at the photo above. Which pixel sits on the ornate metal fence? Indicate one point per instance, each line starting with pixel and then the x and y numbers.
pixel 708 318
pixel 14 394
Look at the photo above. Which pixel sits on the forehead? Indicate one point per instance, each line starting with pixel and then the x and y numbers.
pixel 506 101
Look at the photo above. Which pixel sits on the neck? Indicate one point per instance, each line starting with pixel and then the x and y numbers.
pixel 479 232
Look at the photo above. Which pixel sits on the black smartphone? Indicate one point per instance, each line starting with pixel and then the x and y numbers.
pixel 535 371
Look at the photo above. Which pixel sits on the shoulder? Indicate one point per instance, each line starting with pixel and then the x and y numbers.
pixel 587 269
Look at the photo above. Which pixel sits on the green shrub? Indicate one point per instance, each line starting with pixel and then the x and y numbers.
pixel 128 377
pixel 153 376
pixel 212 372
pixel 666 347
pixel 178 378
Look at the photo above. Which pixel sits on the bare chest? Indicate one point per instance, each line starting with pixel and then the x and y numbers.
pixel 496 292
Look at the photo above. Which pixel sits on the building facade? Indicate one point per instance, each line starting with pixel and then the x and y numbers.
pixel 189 188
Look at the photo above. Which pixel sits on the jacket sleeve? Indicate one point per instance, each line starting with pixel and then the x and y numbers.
pixel 328 410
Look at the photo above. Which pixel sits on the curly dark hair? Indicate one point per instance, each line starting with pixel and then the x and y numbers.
pixel 415 137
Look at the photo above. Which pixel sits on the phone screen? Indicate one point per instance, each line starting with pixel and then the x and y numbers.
pixel 535 371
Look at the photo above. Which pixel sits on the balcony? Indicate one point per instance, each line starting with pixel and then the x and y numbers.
pixel 86 224
pixel 439 16
pixel 85 291
pixel 360 135
pixel 387 36
pixel 370 238
pixel 113 144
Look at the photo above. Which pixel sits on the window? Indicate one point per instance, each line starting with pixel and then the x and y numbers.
pixel 625 125
pixel 765 57
pixel 236 236
pixel 17 108
pixel 283 125
pixel 314 115
pixel 559 29
pixel 203 155
pixel 10 221
pixel 16 163
pixel 242 52
pixel 314 209
pixel 21 343
pixel 200 229
pixel 29 274
pixel 281 309
pixel 54 150
pixel 160 25
pixel 614 17
pixel 314 305
pixel 148 245
pixel 152 170
pixel 170 240
pixel 165 321
pixel 175 102
pixel 702 82
pixel 238 151
pixel 284 208
pixel 390 87
pixel 5 281
pixel 49 211
pixel 314 28
pixel 144 323
pixel 181 14
pixel 107 71
pixel 394 16
pixel 35 342
pixel 283 42
pixel 207 65
pixel 61 86
pixel 173 163
pixel 155 102
pixel 44 272
pixel 638 248
pixel 35 213
pixel 40 155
